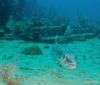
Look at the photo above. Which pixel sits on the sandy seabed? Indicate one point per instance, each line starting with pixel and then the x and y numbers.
pixel 43 69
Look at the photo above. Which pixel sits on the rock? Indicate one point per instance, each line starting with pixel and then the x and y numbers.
pixel 33 50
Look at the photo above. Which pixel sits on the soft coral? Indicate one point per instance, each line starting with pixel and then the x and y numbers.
pixel 10 82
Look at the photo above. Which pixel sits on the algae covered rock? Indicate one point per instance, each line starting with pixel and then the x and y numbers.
pixel 34 50
pixel 25 30
pixel 22 28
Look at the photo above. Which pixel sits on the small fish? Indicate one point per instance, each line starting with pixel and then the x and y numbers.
pixel 61 54
pixel 68 61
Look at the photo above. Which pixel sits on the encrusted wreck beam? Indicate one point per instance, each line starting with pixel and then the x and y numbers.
pixel 73 37
pixel 49 31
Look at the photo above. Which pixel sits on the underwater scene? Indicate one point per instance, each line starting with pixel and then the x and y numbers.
pixel 49 42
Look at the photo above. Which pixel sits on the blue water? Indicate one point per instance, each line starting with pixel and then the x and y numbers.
pixel 68 8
